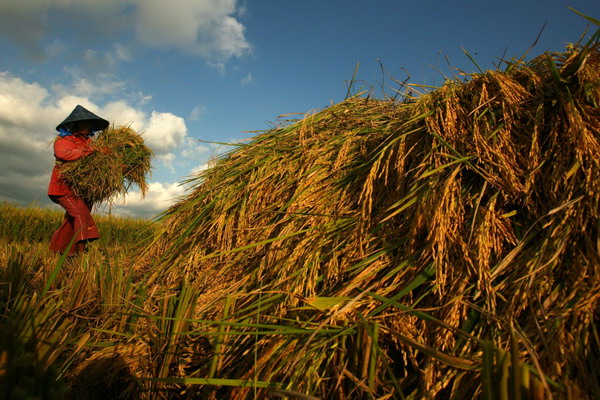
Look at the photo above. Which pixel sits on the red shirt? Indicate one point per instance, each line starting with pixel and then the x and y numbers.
pixel 68 148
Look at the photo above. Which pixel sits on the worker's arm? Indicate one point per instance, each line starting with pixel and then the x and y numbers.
pixel 66 149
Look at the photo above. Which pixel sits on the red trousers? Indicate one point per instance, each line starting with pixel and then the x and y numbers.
pixel 78 223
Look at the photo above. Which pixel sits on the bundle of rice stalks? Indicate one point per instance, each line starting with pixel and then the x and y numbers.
pixel 444 247
pixel 101 177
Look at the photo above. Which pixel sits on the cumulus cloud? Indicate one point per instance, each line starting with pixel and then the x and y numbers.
pixel 207 28
pixel 160 196
pixel 28 114
pixel 165 132
pixel 167 160
pixel 200 168
pixel 203 27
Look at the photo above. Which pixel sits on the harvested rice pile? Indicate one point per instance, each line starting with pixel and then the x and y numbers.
pixel 102 177
pixel 442 247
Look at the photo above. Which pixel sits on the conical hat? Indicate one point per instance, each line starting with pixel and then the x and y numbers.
pixel 81 114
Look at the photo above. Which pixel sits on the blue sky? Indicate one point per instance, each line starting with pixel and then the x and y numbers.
pixel 182 70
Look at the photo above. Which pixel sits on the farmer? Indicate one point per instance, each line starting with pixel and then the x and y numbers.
pixel 72 143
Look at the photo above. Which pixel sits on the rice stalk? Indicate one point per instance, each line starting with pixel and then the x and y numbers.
pixel 101 177
pixel 462 224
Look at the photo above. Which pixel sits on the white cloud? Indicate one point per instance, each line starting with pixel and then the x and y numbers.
pixel 160 196
pixel 200 168
pixel 19 101
pixel 207 28
pixel 202 27
pixel 167 161
pixel 120 113
pixel 165 132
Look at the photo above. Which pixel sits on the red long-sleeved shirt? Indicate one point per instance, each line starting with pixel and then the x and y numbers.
pixel 68 148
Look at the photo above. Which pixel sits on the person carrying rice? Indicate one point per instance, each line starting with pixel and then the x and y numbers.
pixel 73 143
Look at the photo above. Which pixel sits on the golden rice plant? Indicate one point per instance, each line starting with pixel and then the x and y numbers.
pixel 34 224
pixel 101 177
pixel 444 246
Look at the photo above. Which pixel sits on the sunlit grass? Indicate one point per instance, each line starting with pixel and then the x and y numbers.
pixel 35 224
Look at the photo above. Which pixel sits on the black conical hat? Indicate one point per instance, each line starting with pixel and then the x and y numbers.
pixel 81 114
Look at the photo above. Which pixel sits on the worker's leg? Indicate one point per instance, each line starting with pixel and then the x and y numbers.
pixel 78 222
pixel 62 236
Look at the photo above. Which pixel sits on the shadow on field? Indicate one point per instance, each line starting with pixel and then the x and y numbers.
pixel 105 377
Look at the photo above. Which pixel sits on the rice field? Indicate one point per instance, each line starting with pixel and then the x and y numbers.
pixel 443 245
pixel 53 310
